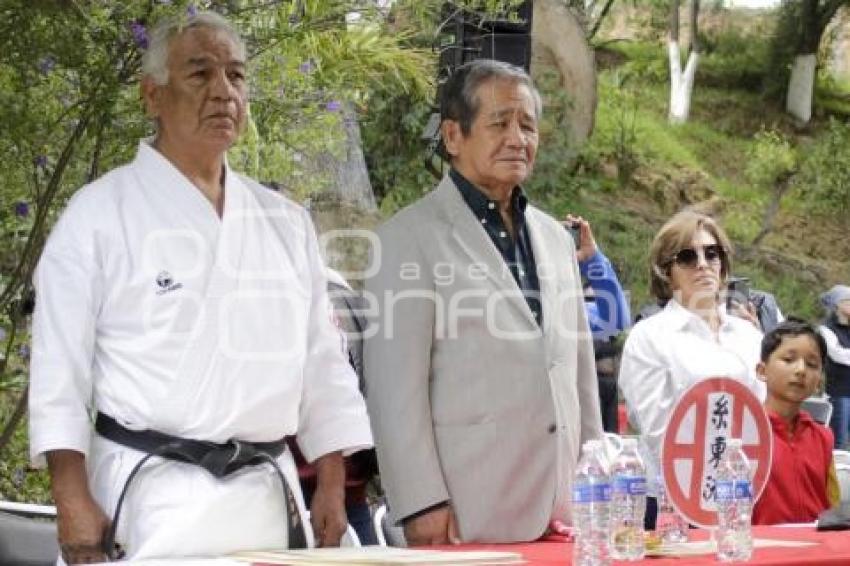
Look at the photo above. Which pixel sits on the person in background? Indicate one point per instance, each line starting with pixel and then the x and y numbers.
pixel 185 307
pixel 347 315
pixel 607 314
pixel 691 339
pixel 767 309
pixel 802 481
pixel 759 307
pixel 836 332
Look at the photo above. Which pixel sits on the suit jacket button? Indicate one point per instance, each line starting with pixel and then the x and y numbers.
pixel 552 429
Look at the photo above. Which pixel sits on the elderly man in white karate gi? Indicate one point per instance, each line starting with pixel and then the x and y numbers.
pixel 183 307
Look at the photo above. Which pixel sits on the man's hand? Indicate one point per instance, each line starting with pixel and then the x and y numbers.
pixel 434 527
pixel 586 246
pixel 327 510
pixel 81 523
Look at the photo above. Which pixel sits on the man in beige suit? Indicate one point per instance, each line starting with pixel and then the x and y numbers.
pixel 480 372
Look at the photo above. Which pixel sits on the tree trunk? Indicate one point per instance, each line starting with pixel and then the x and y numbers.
pixel 801 87
pixel 559 47
pixel 682 83
pixel 352 178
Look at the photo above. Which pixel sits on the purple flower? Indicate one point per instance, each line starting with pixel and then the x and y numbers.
pixel 24 351
pixel 40 161
pixel 307 66
pixel 140 34
pixel 22 209
pixel 46 65
pixel 333 106
pixel 191 11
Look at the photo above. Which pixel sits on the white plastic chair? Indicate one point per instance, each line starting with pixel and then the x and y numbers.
pixel 387 533
pixel 819 408
pixel 27 534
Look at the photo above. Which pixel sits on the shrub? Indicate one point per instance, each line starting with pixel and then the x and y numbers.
pixel 823 183
pixel 769 159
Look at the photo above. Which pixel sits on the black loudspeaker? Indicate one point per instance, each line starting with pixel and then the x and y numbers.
pixel 467 35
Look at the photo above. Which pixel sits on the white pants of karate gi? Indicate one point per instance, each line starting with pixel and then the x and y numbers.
pixel 173 509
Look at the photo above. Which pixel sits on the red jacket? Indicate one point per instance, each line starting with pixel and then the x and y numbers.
pixel 796 490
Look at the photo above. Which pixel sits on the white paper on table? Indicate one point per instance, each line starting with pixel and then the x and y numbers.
pixel 380 555
pixel 694 548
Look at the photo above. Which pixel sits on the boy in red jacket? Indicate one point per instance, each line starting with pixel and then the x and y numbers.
pixel 802 480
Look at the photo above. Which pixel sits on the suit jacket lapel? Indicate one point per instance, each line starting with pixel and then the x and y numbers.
pixel 474 241
pixel 547 267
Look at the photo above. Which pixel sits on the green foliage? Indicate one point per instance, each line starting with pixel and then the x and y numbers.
pixel 770 158
pixel 832 95
pixel 734 59
pixel 395 154
pixel 823 183
pixel 617 131
pixel 557 153
pixel 783 46
pixel 18 481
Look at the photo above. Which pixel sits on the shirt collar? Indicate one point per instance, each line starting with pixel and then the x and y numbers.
pixel 778 424
pixel 150 154
pixel 478 201
pixel 680 317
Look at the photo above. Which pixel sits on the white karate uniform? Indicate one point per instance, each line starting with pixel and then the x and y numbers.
pixel 669 352
pixel 156 311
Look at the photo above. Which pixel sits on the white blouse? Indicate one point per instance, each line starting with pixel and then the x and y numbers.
pixel 670 351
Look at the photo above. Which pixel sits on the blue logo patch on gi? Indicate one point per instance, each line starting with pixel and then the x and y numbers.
pixel 165 282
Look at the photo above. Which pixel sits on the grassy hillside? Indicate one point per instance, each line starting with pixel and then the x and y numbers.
pixel 736 154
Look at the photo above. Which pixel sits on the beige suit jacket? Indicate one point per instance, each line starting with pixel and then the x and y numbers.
pixel 470 400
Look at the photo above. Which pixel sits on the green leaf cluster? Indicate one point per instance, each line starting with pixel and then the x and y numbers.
pixel 770 158
pixel 823 183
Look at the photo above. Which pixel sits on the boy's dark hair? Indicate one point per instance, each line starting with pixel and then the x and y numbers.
pixel 791 327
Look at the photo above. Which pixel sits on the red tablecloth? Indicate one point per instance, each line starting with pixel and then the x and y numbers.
pixel 833 548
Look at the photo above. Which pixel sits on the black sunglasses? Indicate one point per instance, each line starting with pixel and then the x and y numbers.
pixel 689 257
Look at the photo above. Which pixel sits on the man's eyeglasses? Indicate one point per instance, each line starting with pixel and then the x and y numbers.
pixel 689 257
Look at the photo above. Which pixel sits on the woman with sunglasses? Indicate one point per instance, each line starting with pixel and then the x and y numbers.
pixel 690 339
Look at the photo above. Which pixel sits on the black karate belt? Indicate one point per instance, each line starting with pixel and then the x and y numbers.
pixel 220 460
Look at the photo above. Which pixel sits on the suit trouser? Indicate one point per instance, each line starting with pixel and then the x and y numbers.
pixel 608 402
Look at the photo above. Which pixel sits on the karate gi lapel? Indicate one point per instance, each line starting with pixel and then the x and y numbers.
pixel 473 240
pixel 224 238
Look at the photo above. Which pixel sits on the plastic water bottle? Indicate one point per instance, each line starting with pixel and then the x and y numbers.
pixel 734 499
pixel 591 502
pixel 669 526
pixel 628 503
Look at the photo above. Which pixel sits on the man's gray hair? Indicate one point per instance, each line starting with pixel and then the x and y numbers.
pixel 459 100
pixel 155 58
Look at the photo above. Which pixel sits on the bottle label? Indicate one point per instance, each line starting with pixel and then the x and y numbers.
pixel 724 490
pixel 743 490
pixel 582 493
pixel 602 492
pixel 585 493
pixel 630 485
